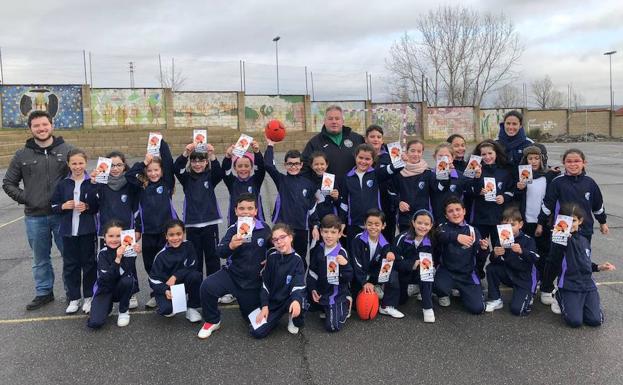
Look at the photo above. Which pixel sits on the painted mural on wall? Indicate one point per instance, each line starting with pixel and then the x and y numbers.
pixel 444 121
pixel 397 117
pixel 490 120
pixel 354 114
pixel 125 107
pixel 259 109
pixel 64 103
pixel 203 109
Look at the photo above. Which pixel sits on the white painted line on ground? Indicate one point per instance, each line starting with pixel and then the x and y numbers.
pixel 10 222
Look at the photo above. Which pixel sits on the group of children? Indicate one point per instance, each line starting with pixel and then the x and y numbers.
pixel 447 230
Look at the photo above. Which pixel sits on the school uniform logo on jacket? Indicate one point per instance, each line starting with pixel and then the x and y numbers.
pixel 305 192
pixel 453 187
pixel 160 190
pixel 370 183
pixel 499 185
pixel 206 184
pixel 250 189
pixel 260 242
pixel 440 186
pixel 124 198
pixel 587 196
pixel 288 279
pixel 348 143
pixel 421 185
pixel 588 252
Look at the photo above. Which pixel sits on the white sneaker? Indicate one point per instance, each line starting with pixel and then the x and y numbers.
pixel 123 319
pixel 456 293
pixel 412 289
pixel 73 306
pixel 350 305
pixel 444 301
pixel 391 311
pixel 547 298
pixel 151 303
pixel 496 304
pixel 291 327
pixel 193 315
pixel 207 329
pixel 429 315
pixel 226 299
pixel 555 307
pixel 86 306
pixel 133 302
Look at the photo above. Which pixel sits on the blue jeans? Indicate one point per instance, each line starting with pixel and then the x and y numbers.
pixel 39 230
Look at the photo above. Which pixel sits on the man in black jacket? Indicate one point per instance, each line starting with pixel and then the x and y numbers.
pixel 336 141
pixel 40 165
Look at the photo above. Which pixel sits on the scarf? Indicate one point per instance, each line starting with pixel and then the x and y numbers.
pixel 412 169
pixel 116 183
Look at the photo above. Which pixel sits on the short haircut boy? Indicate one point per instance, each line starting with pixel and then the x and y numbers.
pixel 512 214
pixel 331 221
pixel 245 197
pixel 375 213
pixel 292 154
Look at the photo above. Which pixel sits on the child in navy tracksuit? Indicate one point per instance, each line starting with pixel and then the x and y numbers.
pixel 442 189
pixel 573 187
pixel 577 293
pixel 409 248
pixel 296 200
pixel 201 213
pixel 174 265
pixel 116 278
pixel 459 248
pixel 412 185
pixel 513 266
pixel 155 178
pixel 241 274
pixel 332 297
pixel 457 144
pixel 324 204
pixel 239 178
pixel 389 202
pixel 283 285
pixel 117 202
pixel 360 189
pixel 367 252
pixel 75 198
pixel 485 215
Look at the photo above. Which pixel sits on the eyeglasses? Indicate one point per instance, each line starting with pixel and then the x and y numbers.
pixel 119 165
pixel 281 238
pixel 197 161
pixel 294 164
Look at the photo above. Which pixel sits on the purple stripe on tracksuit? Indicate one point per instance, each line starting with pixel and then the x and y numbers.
pixel 561 278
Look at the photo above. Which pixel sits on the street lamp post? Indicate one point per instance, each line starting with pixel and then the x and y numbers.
pixel 609 54
pixel 276 40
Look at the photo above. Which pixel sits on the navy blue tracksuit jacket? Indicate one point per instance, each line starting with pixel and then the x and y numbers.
pixel 236 186
pixel 120 205
pixel 245 263
pixel 490 213
pixel 317 276
pixel 296 203
pixel 444 189
pixel 200 205
pixel 179 262
pixel 283 280
pixel 366 268
pixel 521 268
pixel 88 194
pixel 459 261
pixel 576 265
pixel 415 190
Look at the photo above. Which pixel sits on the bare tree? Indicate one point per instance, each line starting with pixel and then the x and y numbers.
pixel 545 95
pixel 461 57
pixel 508 96
pixel 171 77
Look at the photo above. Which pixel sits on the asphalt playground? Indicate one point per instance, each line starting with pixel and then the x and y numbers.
pixel 46 346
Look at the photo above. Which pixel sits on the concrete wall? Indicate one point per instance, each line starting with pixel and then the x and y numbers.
pixel 260 109
pixel 444 121
pixel 553 122
pixel 596 122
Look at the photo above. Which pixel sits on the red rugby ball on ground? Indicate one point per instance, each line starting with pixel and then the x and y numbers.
pixel 367 305
pixel 275 130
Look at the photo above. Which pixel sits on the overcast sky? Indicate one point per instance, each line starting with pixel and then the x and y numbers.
pixel 338 41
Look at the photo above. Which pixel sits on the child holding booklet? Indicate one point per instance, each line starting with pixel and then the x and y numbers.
pixel 573 187
pixel 414 250
pixel 283 285
pixel 325 204
pixel 412 185
pixel 459 247
pixel 513 264
pixel 296 201
pixel 241 274
pixel 75 199
pixel 155 178
pixel 370 253
pixel 457 142
pixel 491 190
pixel 329 275
pixel 243 174
pixel 201 213
pixel 174 265
pixel 116 278
pixel 444 185
pixel 577 293
pixel 360 190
